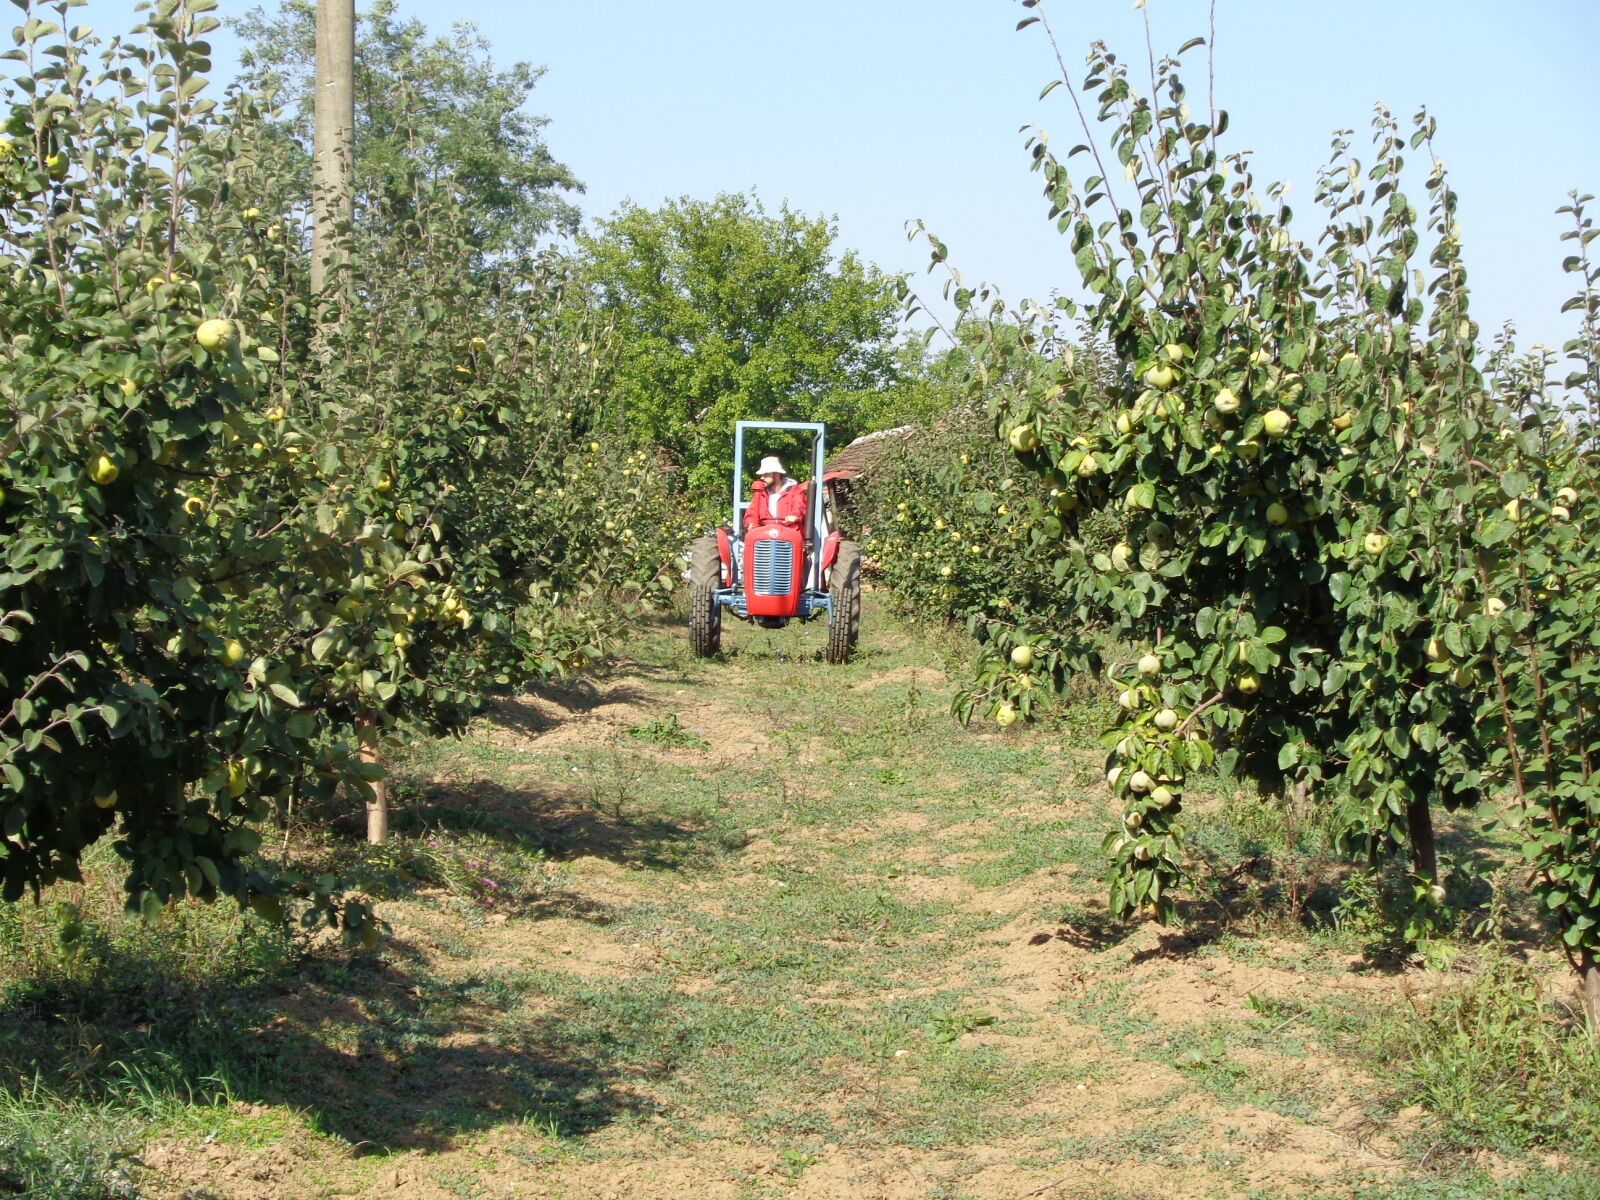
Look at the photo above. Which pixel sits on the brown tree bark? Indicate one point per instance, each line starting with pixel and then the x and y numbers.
pixel 1424 855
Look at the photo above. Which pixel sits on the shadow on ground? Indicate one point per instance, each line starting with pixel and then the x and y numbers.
pixel 562 826
pixel 574 697
pixel 374 1054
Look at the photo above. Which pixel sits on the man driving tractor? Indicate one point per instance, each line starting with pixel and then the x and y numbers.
pixel 774 497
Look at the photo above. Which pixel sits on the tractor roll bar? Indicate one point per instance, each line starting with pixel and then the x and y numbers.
pixel 816 519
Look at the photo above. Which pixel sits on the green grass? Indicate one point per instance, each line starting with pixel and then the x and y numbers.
pixel 1467 1183
pixel 51 1149
pixel 1498 1065
pixel 802 950
pixel 1208 1056
pixel 1167 1141
pixel 1015 853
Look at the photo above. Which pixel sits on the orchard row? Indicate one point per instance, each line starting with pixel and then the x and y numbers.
pixel 246 533
pixel 1352 545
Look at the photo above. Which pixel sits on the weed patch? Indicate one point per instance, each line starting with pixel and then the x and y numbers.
pixel 1499 1065
pixel 54 1149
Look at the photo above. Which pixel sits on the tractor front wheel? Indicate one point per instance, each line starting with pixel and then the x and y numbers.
pixel 705 615
pixel 844 619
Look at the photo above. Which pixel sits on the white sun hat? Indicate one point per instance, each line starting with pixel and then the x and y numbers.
pixel 770 466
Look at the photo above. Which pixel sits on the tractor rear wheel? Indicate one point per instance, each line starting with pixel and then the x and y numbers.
pixel 844 586
pixel 705 615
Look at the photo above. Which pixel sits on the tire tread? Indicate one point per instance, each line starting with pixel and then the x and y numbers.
pixel 844 585
pixel 705 576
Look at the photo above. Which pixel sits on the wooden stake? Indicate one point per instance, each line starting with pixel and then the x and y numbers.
pixel 378 806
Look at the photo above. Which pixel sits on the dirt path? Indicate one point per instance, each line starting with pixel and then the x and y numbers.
pixel 790 933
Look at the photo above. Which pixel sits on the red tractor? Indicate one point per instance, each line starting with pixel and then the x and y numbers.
pixel 775 571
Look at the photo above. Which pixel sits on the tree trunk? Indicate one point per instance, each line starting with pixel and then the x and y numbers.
pixel 1299 812
pixel 1589 977
pixel 378 806
pixel 333 147
pixel 1424 857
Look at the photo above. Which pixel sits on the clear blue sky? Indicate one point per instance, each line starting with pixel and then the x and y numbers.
pixel 880 111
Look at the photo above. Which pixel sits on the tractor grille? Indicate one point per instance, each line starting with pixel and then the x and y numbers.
pixel 773 571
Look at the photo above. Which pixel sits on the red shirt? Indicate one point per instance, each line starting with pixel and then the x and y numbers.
pixel 785 507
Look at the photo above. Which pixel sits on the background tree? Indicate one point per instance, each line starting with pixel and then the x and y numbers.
pixel 428 108
pixel 725 312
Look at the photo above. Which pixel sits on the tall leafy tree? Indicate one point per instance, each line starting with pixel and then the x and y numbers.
pixel 234 546
pixel 428 108
pixel 726 312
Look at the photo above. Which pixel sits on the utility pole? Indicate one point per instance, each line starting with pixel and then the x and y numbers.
pixel 332 209
pixel 333 145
